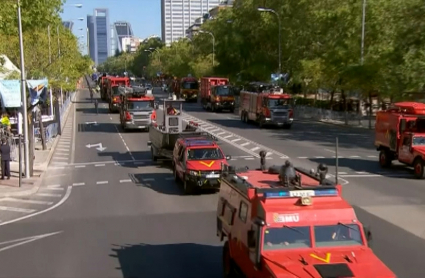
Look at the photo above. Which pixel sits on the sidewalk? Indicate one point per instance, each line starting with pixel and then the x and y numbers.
pixel 9 188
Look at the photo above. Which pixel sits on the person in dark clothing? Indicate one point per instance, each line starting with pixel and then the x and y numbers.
pixel 96 105
pixel 5 159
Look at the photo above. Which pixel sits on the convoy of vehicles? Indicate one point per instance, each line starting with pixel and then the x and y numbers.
pixel 289 222
pixel 137 109
pixel 112 92
pixel 216 94
pixel 400 135
pixel 266 105
pixel 189 89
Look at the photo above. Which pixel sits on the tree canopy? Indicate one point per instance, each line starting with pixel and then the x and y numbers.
pixel 58 58
pixel 321 45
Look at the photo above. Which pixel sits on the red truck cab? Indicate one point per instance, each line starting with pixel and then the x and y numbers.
pixel 197 163
pixel 266 105
pixel 137 108
pixel 289 222
pixel 400 135
pixel 189 88
pixel 216 94
pixel 113 92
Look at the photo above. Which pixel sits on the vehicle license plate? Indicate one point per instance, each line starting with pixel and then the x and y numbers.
pixel 211 176
pixel 301 193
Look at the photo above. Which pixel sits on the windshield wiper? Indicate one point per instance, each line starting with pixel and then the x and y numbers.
pixel 294 229
pixel 346 226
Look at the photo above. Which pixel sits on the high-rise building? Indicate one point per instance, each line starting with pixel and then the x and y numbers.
pixel 178 15
pixel 68 25
pixel 99 35
pixel 122 30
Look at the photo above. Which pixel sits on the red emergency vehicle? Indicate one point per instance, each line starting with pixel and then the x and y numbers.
pixel 216 94
pixel 197 163
pixel 137 108
pixel 189 88
pixel 400 135
pixel 113 94
pixel 266 105
pixel 289 222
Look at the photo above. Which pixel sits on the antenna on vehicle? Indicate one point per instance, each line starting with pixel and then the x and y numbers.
pixel 336 160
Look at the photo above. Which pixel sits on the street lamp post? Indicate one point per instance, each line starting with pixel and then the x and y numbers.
pixel 280 39
pixel 213 43
pixel 24 97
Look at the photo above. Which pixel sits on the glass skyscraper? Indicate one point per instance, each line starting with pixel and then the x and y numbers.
pixel 99 35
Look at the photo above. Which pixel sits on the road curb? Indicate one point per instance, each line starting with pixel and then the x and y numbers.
pixel 43 168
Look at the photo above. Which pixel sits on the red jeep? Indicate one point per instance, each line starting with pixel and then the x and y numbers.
pixel 197 162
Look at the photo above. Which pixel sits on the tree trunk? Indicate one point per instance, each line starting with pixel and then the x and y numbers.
pixel 42 131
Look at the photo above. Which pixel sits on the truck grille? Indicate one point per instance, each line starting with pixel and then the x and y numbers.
pixel 140 117
pixel 204 173
pixel 280 114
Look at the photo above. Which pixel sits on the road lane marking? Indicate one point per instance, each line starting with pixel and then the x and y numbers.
pixel 236 140
pixel 372 156
pixel 14 200
pixel 101 182
pixel 249 158
pixel 60 158
pixel 319 157
pixel 149 179
pixel 99 165
pixel 80 166
pixel 302 157
pixel 78 184
pixel 221 133
pixel 16 209
pixel 244 144
pixel 52 188
pixel 354 156
pixel 228 136
pixel 125 144
pixel 123 181
pixel 48 195
pixel 254 149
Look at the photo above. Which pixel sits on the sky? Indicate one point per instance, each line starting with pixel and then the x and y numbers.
pixel 143 15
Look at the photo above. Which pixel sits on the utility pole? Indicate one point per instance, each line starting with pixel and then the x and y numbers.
pixel 24 96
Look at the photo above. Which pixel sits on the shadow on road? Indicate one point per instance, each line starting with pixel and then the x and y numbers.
pixel 157 182
pixel 185 260
pixel 99 127
pixel 92 110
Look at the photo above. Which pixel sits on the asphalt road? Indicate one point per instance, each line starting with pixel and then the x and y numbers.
pixel 122 216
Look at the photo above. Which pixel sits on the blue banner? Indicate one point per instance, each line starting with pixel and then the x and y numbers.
pixel 38 90
pixel 10 91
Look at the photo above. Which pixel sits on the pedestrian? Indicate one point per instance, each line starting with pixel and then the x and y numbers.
pixel 91 95
pixel 96 104
pixel 5 159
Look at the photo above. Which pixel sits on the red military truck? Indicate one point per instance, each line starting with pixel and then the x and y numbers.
pixel 266 105
pixel 288 222
pixel 189 89
pixel 400 135
pixel 216 94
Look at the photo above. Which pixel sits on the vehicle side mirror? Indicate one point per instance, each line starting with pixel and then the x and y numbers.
pixel 228 157
pixel 251 239
pixel 368 235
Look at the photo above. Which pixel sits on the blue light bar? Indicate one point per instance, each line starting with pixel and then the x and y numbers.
pixel 302 193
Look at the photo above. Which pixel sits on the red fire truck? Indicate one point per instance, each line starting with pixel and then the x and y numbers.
pixel 189 88
pixel 290 222
pixel 113 94
pixel 400 135
pixel 266 105
pixel 137 108
pixel 216 94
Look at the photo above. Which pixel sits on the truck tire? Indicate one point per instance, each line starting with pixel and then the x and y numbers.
pixel 229 270
pixel 154 157
pixel 418 167
pixel 385 158
pixel 187 187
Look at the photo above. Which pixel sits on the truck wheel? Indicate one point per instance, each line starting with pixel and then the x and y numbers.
pixel 228 264
pixel 187 187
pixel 154 158
pixel 385 158
pixel 418 166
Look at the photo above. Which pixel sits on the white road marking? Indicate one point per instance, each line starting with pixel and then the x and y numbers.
pixel 80 166
pixel 362 173
pixel 59 162
pixel 52 188
pixel 122 181
pixel 228 136
pixel 269 154
pixel 235 140
pixel 150 179
pixel 319 157
pixel 78 184
pixel 342 173
pixel 101 182
pixel 302 157
pixel 254 149
pixel 25 240
pixel 328 150
pixel 16 209
pixel 14 200
pixel 372 156
pixel 99 165
pixel 62 149
pixel 55 168
pixel 48 195
pixel 60 158
pixel 354 156
pixel 244 144
pixel 334 156
pixel 250 158
pixel 269 157
pixel 214 130
pixel 221 133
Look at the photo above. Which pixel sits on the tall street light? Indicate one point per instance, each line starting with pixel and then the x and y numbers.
pixel 280 39
pixel 213 43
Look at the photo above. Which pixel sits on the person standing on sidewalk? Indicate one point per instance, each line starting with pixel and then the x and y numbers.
pixel 5 159
pixel 96 105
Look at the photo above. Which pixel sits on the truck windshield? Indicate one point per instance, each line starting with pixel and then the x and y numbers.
pixel 115 91
pixel 282 103
pixel 200 154
pixel 138 105
pixel 337 235
pixel 418 141
pixel 287 237
pixel 190 85
pixel 224 91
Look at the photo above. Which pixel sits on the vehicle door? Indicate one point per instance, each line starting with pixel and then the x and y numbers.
pixel 181 162
pixel 405 153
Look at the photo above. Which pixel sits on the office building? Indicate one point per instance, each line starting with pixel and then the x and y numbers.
pixel 131 44
pixel 99 35
pixel 68 25
pixel 122 30
pixel 178 15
